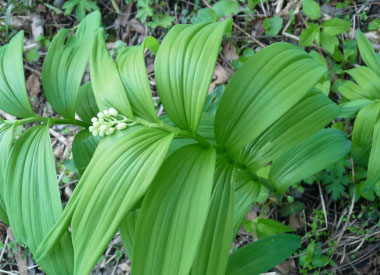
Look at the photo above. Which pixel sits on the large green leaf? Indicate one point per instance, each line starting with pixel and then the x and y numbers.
pixel 306 118
pixel 173 214
pixel 335 26
pixel 65 64
pixel 13 96
pixel 106 83
pixel 84 146
pixel 352 91
pixel 362 135
pixel 6 139
pixel 85 105
pixel 213 251
pixel 350 108
pixel 127 232
pixel 33 200
pixel 246 192
pixel 118 175
pixel 262 255
pixel 184 67
pixel 368 81
pixel 374 159
pixel 309 157
pixel 131 64
pixel 268 85
pixel 368 53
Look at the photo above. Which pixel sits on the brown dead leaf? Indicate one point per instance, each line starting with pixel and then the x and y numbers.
pixel 229 52
pixel 221 76
pixel 295 221
pixel 137 26
pixel 33 85
pixel 287 266
pixel 252 215
pixel 374 38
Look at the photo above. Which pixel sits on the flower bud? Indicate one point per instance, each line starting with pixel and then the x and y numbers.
pixel 101 133
pixel 106 113
pixel 121 126
pixel 100 115
pixel 113 111
pixel 95 132
pixel 96 124
pixel 110 131
pixel 94 119
pixel 103 128
pixel 91 128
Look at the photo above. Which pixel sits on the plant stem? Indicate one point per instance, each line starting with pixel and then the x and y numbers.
pixel 50 120
pixel 188 134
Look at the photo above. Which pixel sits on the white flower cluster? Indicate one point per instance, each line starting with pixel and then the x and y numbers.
pixel 108 122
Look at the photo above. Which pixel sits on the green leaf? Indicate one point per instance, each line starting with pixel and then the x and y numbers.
pixel 65 64
pixel 368 53
pixel 268 227
pixel 335 26
pixel 275 26
pixel 84 146
pixel 374 25
pixel 184 67
pixel 352 91
pixel 306 118
pixel 374 159
pixel 118 175
pixel 161 20
pixel 31 186
pixel 308 35
pixel 144 10
pixel 6 140
pixel 128 231
pixel 106 83
pixel 32 55
pixel 311 9
pixel 368 81
pixel 329 42
pixel 213 99
pixel 85 105
pixel 246 193
pixel 131 64
pixel 13 96
pixel 174 212
pixel 226 8
pixel 262 255
pixel 204 15
pixel 362 134
pixel 271 83
pixel 309 157
pixel 213 252
pixel 350 108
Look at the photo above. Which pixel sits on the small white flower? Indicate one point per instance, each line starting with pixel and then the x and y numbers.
pixel 101 133
pixel 103 128
pixel 100 115
pixel 94 119
pixel 110 131
pixel 121 126
pixel 113 111
pixel 95 132
pixel 96 124
pixel 91 128
pixel 106 113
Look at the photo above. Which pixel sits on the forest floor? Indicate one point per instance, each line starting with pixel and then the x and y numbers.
pixel 340 229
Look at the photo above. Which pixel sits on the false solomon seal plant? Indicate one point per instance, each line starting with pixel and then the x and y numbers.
pixel 178 186
pixel 364 99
